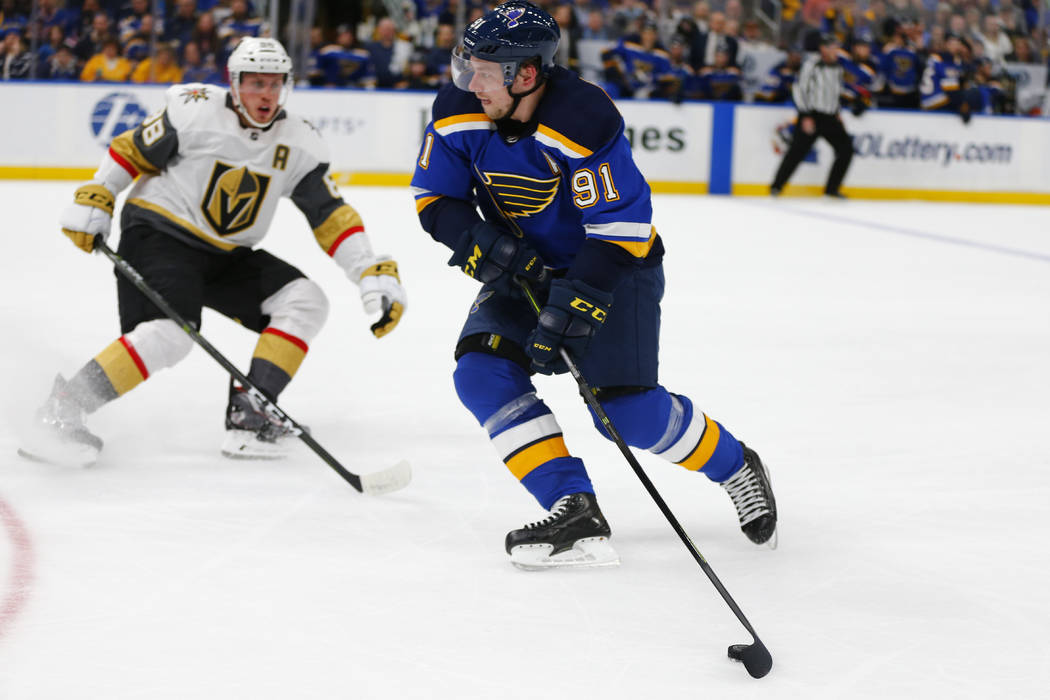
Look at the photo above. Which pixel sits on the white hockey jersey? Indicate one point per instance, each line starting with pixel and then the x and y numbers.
pixel 209 180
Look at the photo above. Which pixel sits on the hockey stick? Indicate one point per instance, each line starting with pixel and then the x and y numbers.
pixel 755 657
pixel 383 481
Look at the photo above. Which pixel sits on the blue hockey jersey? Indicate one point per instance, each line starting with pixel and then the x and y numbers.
pixel 341 67
pixel 633 70
pixel 942 77
pixel 861 78
pixel 901 67
pixel 776 87
pixel 721 83
pixel 573 178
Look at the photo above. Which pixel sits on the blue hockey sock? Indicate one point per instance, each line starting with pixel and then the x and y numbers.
pixel 522 429
pixel 667 425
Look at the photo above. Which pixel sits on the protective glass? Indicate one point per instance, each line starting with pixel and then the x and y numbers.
pixel 476 75
pixel 262 84
pixel 252 85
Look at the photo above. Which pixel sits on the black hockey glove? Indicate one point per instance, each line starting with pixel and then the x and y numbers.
pixel 573 314
pixel 858 107
pixel 494 257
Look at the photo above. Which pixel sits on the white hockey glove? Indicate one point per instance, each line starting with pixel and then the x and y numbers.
pixel 89 216
pixel 381 291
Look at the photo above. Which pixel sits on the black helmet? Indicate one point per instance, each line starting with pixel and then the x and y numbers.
pixel 509 35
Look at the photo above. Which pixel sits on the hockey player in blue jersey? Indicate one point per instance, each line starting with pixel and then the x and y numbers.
pixel 943 80
pixel 542 155
pixel 776 87
pixel 637 68
pixel 901 68
pixel 720 80
pixel 861 74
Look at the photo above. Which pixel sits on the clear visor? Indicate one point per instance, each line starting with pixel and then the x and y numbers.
pixel 254 85
pixel 475 75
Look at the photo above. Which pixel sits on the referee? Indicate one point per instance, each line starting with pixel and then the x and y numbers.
pixel 816 94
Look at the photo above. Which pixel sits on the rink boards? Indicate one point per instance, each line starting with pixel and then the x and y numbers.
pixel 61 131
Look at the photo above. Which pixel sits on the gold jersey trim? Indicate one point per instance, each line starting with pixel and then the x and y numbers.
pixel 124 146
pixel 182 224
pixel 344 218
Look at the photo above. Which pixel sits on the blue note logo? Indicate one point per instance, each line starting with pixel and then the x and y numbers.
pixel 513 15
pixel 520 195
pixel 114 114
pixel 481 299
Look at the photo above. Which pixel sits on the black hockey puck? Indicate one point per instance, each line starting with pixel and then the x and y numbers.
pixel 736 651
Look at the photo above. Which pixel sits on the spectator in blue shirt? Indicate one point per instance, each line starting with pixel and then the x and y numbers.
pixel 49 14
pixel 181 25
pixel 11 19
pixel 195 69
pixel 389 53
pixel 62 65
pixel 440 56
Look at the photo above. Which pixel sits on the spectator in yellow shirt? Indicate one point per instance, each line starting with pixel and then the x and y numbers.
pixel 162 68
pixel 108 65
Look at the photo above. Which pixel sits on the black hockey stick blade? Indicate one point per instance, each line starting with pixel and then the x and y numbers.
pixel 755 657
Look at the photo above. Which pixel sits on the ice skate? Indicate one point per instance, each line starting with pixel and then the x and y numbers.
pixel 752 494
pixel 575 534
pixel 250 432
pixel 58 434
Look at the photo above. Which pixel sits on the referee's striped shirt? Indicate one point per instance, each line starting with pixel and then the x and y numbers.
pixel 818 87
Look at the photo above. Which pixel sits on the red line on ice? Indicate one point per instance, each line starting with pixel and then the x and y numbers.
pixel 21 577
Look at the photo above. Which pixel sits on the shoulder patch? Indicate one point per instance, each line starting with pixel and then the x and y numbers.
pixel 191 103
pixel 195 93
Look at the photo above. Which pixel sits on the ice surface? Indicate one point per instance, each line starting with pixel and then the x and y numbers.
pixel 890 361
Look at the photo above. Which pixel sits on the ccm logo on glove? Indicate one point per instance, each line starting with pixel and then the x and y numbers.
pixel 588 309
pixel 495 257
pixel 88 216
pixel 95 196
pixel 472 262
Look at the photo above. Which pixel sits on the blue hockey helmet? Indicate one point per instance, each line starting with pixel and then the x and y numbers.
pixel 508 36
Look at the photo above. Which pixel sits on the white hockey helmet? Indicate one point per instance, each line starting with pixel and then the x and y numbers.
pixel 256 55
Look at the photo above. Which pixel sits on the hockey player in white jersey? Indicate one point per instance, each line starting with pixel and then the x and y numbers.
pixel 208 171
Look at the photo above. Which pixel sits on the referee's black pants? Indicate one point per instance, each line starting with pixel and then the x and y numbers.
pixel 830 127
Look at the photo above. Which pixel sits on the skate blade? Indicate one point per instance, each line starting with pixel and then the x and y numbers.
pixel 244 444
pixel 772 542
pixel 589 552
pixel 85 457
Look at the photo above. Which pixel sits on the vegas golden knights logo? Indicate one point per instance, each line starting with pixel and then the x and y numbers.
pixel 233 198
pixel 518 196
